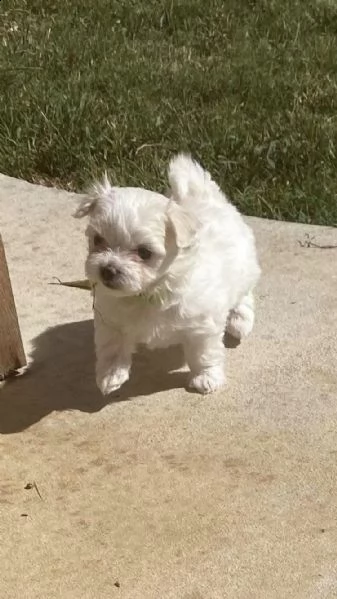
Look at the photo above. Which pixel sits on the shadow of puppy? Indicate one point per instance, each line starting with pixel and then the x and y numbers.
pixel 61 377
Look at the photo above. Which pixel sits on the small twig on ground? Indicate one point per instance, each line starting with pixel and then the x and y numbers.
pixel 32 485
pixel 309 243
pixel 37 490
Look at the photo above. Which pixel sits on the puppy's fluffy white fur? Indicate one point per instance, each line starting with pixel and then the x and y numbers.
pixel 166 271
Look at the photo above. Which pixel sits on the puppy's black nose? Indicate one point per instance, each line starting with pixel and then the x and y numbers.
pixel 109 273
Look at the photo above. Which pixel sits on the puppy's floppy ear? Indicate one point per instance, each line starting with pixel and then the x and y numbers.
pixel 85 207
pixel 98 191
pixel 183 225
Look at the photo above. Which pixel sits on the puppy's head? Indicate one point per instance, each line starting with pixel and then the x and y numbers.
pixel 134 237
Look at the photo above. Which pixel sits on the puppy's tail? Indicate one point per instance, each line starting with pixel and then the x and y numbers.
pixel 189 181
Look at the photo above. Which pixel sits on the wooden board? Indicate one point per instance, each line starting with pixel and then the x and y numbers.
pixel 12 356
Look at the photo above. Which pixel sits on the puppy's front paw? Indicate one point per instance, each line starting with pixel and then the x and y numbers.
pixel 208 381
pixel 112 380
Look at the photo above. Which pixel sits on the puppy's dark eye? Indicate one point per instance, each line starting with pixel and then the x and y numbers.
pixel 98 240
pixel 144 253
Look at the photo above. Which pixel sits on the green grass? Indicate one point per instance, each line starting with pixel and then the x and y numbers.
pixel 248 86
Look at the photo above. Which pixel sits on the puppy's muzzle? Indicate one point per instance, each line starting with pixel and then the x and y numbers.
pixel 109 275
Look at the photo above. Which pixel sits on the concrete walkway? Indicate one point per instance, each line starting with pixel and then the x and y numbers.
pixel 162 494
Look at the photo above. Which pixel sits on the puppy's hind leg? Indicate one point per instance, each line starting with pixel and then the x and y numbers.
pixel 241 319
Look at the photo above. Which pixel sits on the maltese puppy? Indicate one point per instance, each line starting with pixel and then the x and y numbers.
pixel 167 271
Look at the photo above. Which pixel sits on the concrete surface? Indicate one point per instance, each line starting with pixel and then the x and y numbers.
pixel 164 493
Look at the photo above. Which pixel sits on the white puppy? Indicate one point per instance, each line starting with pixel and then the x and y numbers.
pixel 167 271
